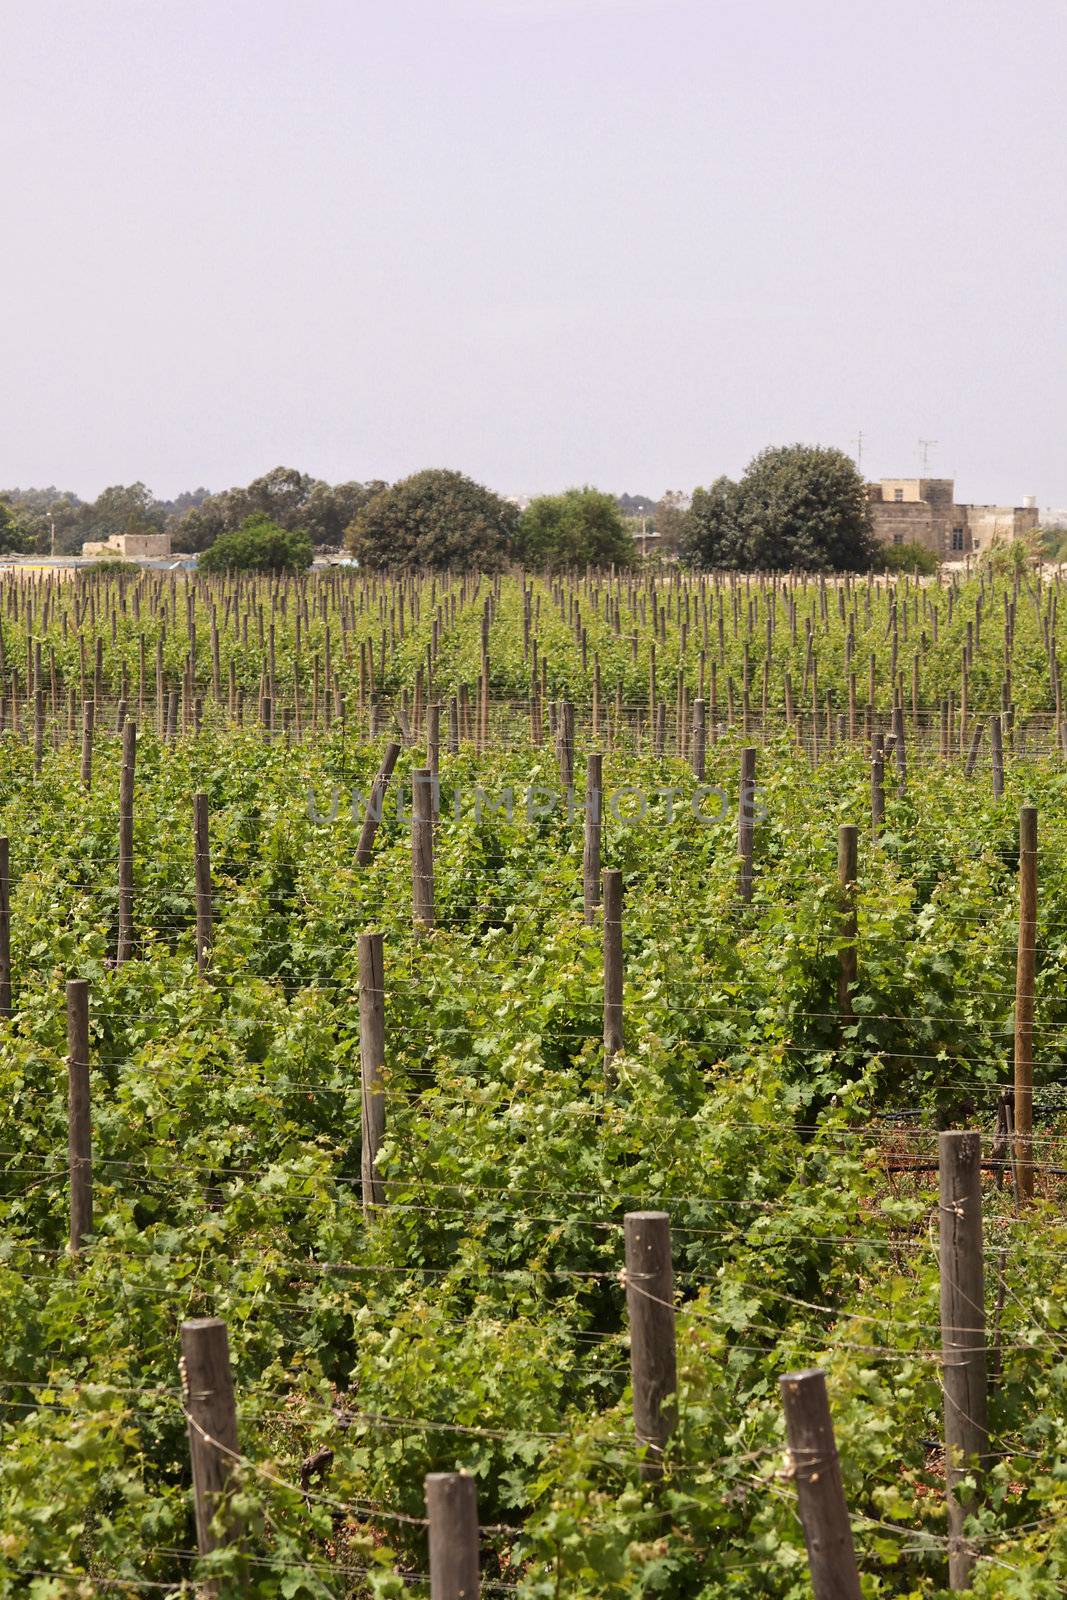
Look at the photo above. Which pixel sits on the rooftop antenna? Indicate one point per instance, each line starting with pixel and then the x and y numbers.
pixel 926 445
pixel 859 451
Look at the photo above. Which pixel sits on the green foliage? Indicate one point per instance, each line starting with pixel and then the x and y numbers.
pixel 797 507
pixel 435 519
pixel 578 528
pixel 478 1321
pixel 258 545
pixel 909 557
pixel 712 535
pixel 12 541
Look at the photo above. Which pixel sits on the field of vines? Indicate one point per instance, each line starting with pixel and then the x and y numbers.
pixel 398 1171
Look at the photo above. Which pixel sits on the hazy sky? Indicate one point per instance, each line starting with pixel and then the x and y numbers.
pixel 625 242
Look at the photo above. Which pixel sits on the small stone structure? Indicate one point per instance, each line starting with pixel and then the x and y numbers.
pixel 130 546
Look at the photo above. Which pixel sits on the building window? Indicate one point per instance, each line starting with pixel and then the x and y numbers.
pixel 898 538
pixel 898 495
pixel 957 538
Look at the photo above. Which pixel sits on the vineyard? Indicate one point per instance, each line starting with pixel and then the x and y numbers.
pixel 501 1028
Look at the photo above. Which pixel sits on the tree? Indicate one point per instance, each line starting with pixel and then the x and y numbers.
pixel 330 509
pixel 805 507
pixel 123 508
pixel 435 519
pixel 802 507
pixel 36 511
pixel 578 528
pixel 712 535
pixel 906 558
pixel 672 512
pixel 258 545
pixel 287 497
pixel 11 541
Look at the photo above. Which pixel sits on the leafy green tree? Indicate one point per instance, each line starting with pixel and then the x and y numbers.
pixel 37 511
pixel 258 545
pixel 123 508
pixel 672 514
pixel 712 533
pixel 11 542
pixel 435 519
pixel 578 528
pixel 805 507
pixel 909 557
pixel 330 508
pixel 289 498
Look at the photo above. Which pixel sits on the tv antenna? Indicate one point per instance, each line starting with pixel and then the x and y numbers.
pixel 926 445
pixel 859 451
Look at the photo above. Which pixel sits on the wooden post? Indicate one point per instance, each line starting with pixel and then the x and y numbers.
pixel 613 970
pixel 422 847
pixel 202 868
pixel 972 754
pixel 650 1311
pixel 996 740
pixel 127 779
pixel 877 783
pixel 375 804
pixel 1024 1001
pixel 5 927
pixel 565 744
pixel 433 753
pixel 594 796
pixel 87 744
pixel 371 1061
pixel 820 1492
pixel 452 1509
pixel 900 750
pixel 963 1343
pixel 746 821
pixel 847 867
pixel 80 1142
pixel 700 740
pixel 211 1416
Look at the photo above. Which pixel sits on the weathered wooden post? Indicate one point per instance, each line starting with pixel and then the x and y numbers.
pixel 87 744
pixel 900 750
pixel 1025 966
pixel 847 868
pixel 594 808
pixel 371 1061
pixel 877 783
pixel 422 847
pixel 650 1312
pixel 202 871
pixel 746 821
pixel 963 1344
pixel 820 1491
pixel 79 1138
pixel 127 782
pixel 375 805
pixel 211 1418
pixel 996 740
pixel 565 744
pixel 698 754
pixel 613 969
pixel 433 754
pixel 452 1509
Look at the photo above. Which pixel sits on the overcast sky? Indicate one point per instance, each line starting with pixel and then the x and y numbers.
pixel 624 242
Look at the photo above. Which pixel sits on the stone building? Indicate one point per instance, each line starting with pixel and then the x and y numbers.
pixel 924 511
pixel 130 546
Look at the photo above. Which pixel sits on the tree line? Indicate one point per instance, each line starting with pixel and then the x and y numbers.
pixel 800 507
